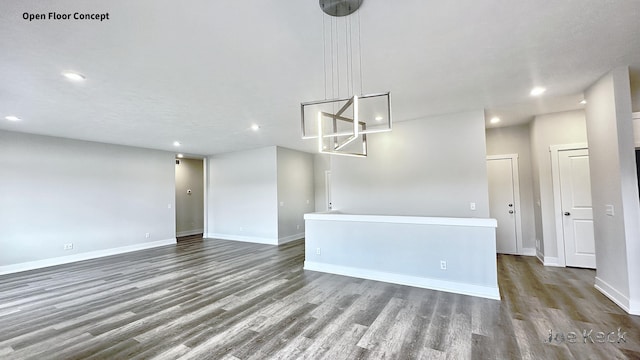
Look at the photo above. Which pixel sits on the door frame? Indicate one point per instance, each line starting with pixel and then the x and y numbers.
pixel 557 196
pixel 515 170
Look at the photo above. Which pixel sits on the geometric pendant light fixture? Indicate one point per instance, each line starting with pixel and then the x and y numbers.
pixel 340 124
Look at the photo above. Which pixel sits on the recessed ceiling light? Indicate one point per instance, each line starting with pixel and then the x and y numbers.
pixel 180 156
pixel 176 143
pixel 73 76
pixel 537 91
pixel 12 118
pixel 379 118
pixel 494 120
pixel 583 102
pixel 255 127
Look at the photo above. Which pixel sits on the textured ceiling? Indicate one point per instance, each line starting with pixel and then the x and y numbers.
pixel 202 72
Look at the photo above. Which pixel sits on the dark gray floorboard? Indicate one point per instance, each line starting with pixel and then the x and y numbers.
pixel 214 299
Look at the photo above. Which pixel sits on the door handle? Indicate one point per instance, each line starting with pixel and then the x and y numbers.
pixel 510 211
pixel 566 213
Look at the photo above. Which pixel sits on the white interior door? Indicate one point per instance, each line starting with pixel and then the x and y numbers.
pixel 327 189
pixel 577 212
pixel 502 206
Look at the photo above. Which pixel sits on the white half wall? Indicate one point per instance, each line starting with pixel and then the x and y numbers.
pixel 243 196
pixel 614 183
pixel 96 196
pixel 406 250
pixel 428 167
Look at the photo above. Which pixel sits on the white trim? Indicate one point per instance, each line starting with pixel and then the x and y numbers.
pixel 190 232
pixel 547 260
pixel 528 252
pixel 427 283
pixel 557 199
pixel 617 297
pixel 634 307
pixel 290 238
pixel 38 264
pixel 251 239
pixel 337 216
pixel 551 261
pixel 515 173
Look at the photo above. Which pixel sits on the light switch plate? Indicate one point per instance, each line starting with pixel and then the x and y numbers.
pixel 608 210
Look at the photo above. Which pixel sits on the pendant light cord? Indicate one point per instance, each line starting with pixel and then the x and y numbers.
pixel 360 54
pixel 324 55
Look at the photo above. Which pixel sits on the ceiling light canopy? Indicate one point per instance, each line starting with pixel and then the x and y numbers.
pixel 12 118
pixel 73 76
pixel 339 7
pixel 180 156
pixel 255 127
pixel 494 120
pixel 583 102
pixel 176 143
pixel 537 91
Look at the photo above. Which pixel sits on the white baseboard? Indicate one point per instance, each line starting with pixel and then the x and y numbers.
pixel 286 239
pixel 528 252
pixel 251 239
pixel 189 232
pixel 32 265
pixel 548 260
pixel 634 307
pixel 433 284
pixel 617 297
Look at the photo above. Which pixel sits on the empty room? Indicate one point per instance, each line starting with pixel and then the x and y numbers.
pixel 319 179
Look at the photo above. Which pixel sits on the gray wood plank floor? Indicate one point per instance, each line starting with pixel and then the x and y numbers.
pixel 217 299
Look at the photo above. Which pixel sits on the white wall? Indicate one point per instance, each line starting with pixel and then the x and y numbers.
pixel 243 196
pixel 97 196
pixel 429 167
pixel 614 182
pixel 189 207
pixel 295 192
pixel 547 130
pixel 516 140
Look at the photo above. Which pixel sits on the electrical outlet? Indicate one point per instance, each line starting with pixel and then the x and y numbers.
pixel 240 228
pixel 147 235
pixel 318 252
pixel 298 227
pixel 68 246
pixel 472 206
pixel 443 265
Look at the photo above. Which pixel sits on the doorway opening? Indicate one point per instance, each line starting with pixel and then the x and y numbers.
pixel 190 198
